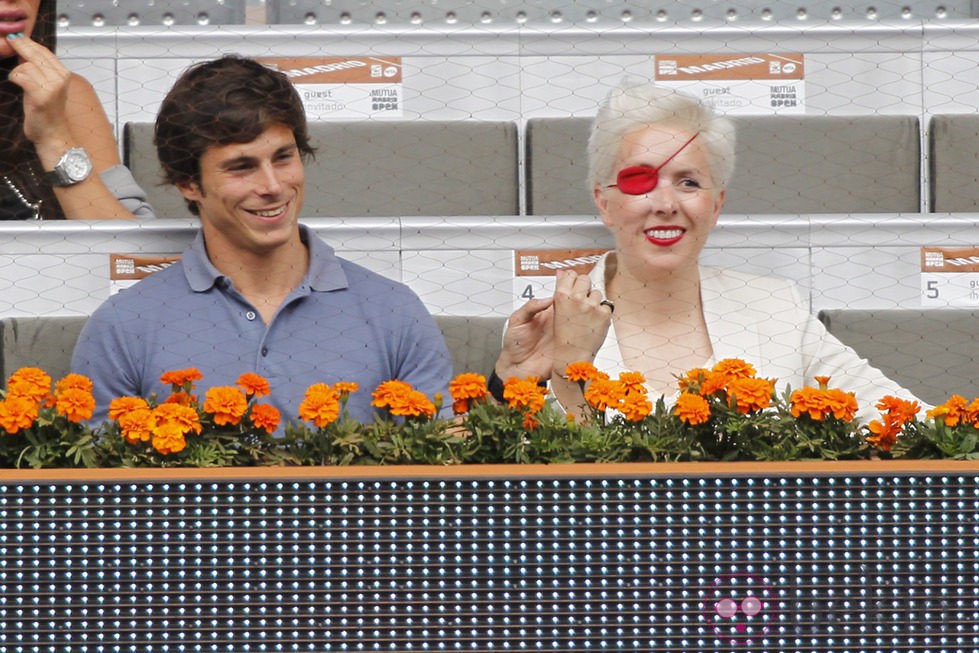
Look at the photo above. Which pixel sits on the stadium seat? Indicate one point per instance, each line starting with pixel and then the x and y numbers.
pixel 784 164
pixel 380 168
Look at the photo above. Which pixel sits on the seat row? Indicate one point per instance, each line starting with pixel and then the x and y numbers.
pixel 785 165
pixel 338 12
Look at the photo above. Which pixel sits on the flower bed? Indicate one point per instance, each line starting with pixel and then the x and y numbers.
pixel 723 414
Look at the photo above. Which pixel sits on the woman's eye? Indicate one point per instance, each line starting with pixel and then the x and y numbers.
pixel 689 184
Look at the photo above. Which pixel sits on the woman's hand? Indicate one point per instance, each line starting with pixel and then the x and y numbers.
pixel 581 320
pixel 45 82
pixel 528 342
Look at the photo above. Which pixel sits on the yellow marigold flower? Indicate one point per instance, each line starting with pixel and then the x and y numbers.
pixel 74 382
pixel 749 394
pixel 524 394
pixel 346 387
pixel 30 383
pixel 265 416
pixel 635 407
pixel 227 404
pixel 181 378
pixel 123 405
pixel 734 368
pixel 172 420
pixel 17 412
pixel 136 425
pixel 580 372
pixel 321 405
pixel 75 404
pixel 603 394
pixel 692 409
pixel 254 385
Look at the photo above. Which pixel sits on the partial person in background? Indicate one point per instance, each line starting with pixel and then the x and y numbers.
pixel 58 154
pixel 256 291
pixel 659 164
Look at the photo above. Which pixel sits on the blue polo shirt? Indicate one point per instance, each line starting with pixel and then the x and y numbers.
pixel 343 323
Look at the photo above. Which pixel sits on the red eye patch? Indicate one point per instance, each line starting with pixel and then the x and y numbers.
pixel 639 180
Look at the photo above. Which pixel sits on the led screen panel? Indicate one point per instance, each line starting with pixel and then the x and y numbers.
pixel 578 561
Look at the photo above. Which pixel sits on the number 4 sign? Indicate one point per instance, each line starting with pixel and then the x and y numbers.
pixel 534 270
pixel 950 276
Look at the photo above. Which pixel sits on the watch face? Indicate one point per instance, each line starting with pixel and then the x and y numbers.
pixel 76 165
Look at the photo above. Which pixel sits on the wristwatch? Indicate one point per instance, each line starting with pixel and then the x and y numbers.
pixel 74 166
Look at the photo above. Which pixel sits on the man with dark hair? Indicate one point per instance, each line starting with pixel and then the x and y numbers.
pixel 256 291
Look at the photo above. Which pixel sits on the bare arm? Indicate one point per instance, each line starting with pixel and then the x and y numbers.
pixel 61 111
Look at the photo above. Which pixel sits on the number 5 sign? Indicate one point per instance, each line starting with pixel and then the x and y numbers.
pixel 535 269
pixel 950 276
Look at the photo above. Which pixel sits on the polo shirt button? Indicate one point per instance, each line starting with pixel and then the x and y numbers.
pixel 265 351
pixel 250 315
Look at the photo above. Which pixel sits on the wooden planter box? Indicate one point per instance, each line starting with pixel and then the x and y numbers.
pixel 822 556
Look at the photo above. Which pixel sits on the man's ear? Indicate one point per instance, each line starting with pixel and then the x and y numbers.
pixel 191 190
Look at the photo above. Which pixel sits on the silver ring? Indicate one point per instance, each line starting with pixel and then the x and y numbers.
pixel 605 302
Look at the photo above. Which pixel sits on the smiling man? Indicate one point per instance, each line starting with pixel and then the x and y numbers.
pixel 256 291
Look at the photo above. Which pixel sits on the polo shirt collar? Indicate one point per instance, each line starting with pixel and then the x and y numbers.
pixel 325 272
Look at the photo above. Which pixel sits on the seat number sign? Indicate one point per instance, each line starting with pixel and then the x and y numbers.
pixel 950 276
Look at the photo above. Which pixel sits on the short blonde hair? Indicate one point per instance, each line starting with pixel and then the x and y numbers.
pixel 637 103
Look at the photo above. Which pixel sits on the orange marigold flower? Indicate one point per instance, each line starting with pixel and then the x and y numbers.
pixel 524 394
pixel 581 372
pixel 227 404
pixel 691 381
pixel 172 420
pixel 346 387
pixel 169 442
pixel 884 434
pixel 321 405
pixel 266 416
pixel 692 409
pixel 808 400
pixel 30 383
pixel 181 399
pixel 633 382
pixel 402 400
pixel 74 382
pixel 843 405
pixel 75 404
pixel 468 386
pixel 901 409
pixel 603 394
pixel 748 394
pixel 952 411
pixel 123 405
pixel 17 412
pixel 714 383
pixel 636 406
pixel 530 422
pixel 823 382
pixel 734 368
pixel 181 378
pixel 254 385
pixel 136 425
